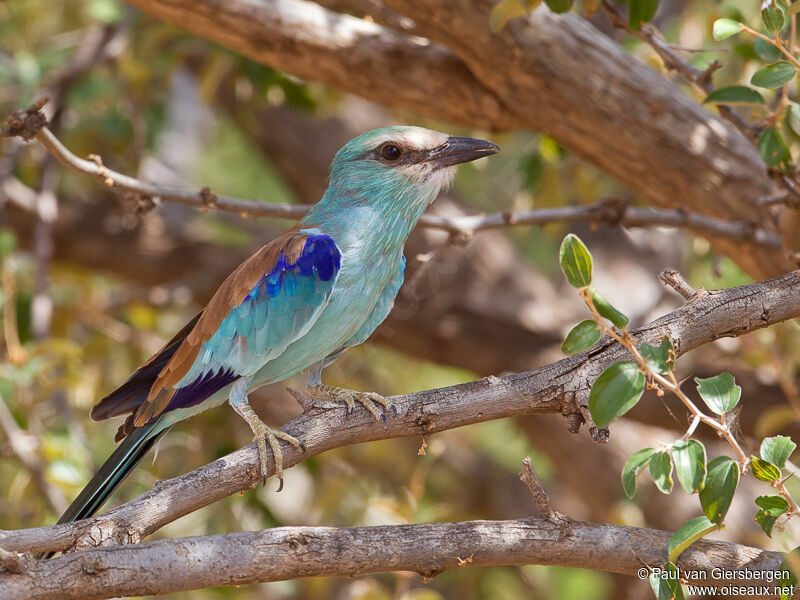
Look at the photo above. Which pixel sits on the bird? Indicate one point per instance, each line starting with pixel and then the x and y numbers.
pixel 293 307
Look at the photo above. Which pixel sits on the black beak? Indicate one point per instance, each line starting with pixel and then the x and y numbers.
pixel 458 150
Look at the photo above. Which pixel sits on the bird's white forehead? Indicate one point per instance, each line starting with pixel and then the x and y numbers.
pixel 415 138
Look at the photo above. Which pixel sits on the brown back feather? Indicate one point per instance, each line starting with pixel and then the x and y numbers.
pixel 229 295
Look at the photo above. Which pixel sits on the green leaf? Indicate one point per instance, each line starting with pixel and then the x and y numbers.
pixel 735 94
pixel 506 10
pixel 661 472
pixel 720 393
pixel 771 507
pixel 633 466
pixel 107 11
pixel 615 392
pixel 640 12
pixel 764 470
pixel 607 310
pixel 690 464
pixel 576 262
pixel 559 6
pixel 687 534
pixel 725 28
pixel 766 51
pixel 721 481
pixel 772 17
pixel 668 585
pixel 793 9
pixel 774 75
pixel 584 335
pixel 777 450
pixel 766 522
pixel 660 359
pixel 774 150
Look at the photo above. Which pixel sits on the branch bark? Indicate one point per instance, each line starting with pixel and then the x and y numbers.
pixel 551 73
pixel 612 211
pixel 555 388
pixel 282 553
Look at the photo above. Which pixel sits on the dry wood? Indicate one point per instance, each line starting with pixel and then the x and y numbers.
pixel 172 565
pixel 611 212
pixel 550 73
pixel 554 388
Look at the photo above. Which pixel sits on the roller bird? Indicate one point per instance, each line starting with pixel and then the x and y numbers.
pixel 294 306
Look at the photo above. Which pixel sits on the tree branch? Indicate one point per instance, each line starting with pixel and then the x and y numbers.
pixel 673 61
pixel 282 553
pixel 626 119
pixel 555 388
pixel 343 51
pixel 611 212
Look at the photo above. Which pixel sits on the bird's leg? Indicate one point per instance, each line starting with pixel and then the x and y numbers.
pixel 262 433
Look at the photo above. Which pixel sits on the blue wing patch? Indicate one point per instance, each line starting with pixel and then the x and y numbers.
pixel 280 308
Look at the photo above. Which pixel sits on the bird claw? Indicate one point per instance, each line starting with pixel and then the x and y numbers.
pixel 263 435
pixel 368 400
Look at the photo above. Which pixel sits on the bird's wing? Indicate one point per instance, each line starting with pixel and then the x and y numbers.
pixel 270 300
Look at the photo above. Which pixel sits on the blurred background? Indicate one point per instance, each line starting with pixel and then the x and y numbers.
pixel 93 283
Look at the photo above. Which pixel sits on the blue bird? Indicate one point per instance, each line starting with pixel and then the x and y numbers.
pixel 294 306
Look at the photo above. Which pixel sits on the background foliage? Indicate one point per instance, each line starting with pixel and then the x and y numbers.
pixel 155 110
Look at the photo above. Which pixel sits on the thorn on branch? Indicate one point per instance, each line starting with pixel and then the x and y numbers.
pixel 705 77
pixel 25 122
pixel 529 478
pixel 675 280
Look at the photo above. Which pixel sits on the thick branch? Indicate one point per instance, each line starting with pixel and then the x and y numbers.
pixel 343 51
pixel 611 212
pixel 553 388
pixel 622 117
pixel 291 552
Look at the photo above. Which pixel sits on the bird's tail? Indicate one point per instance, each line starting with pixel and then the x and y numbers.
pixel 113 472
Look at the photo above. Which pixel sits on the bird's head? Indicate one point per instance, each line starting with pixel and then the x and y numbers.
pixel 398 171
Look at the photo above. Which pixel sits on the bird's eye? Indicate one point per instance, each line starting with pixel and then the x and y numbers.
pixel 390 152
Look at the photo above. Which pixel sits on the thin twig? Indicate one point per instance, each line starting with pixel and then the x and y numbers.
pixel 675 280
pixel 529 478
pixel 670 383
pixel 611 211
pixel 673 61
pixel 548 389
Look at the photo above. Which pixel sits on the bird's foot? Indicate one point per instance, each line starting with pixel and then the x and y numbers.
pixel 263 435
pixel 370 400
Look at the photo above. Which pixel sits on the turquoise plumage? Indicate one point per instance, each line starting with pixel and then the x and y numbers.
pixel 295 305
